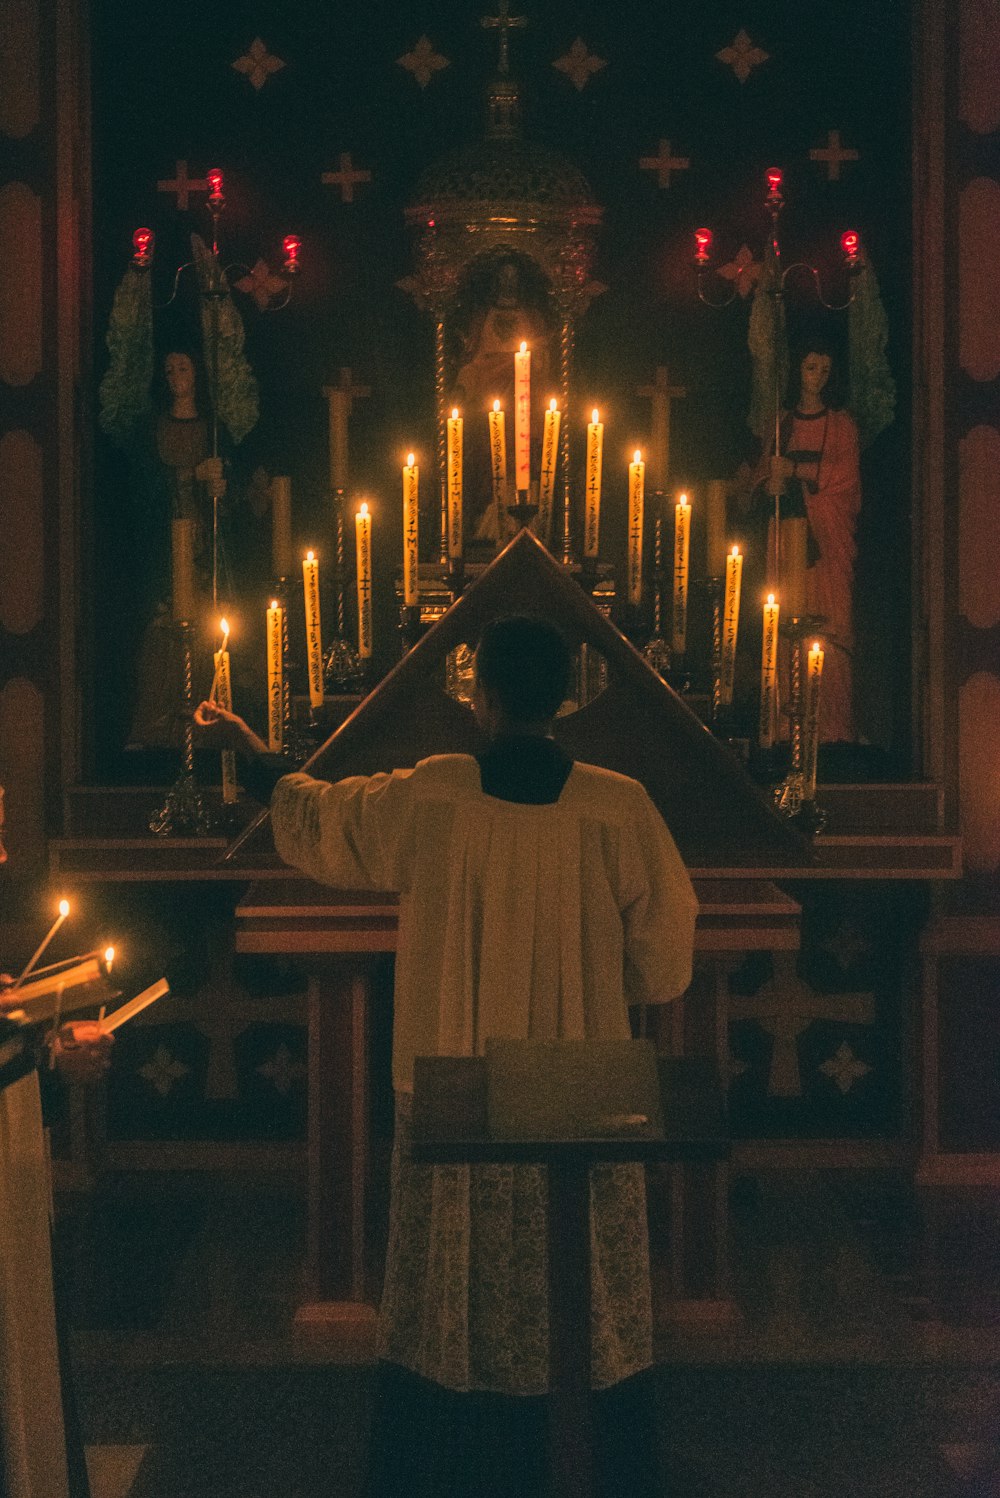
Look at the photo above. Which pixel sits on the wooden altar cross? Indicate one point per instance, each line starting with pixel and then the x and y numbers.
pixel 503 23
pixel 341 398
pixel 182 184
pixel 664 163
pixel 833 154
pixel 661 393
pixel 345 177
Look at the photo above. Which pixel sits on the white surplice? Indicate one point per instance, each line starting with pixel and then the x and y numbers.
pixel 523 921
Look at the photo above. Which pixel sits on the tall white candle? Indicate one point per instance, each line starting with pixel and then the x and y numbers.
pixel 636 506
pixel 454 485
pixel 550 457
pixel 223 695
pixel 522 417
pixel 411 532
pixel 730 624
pixel 592 497
pixel 716 526
pixel 182 557
pixel 682 557
pixel 281 525
pixel 363 537
pixel 769 674
pixel 498 460
pixel 275 677
pixel 314 637
pixel 810 743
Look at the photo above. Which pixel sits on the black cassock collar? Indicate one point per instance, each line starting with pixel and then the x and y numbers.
pixel 524 768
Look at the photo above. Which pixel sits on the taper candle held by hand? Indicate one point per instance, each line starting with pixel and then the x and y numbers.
pixel 63 913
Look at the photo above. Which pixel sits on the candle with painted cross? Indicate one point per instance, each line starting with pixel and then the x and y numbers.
pixel 550 457
pixel 281 525
pixel 454 485
pixel 682 560
pixel 275 677
pixel 411 532
pixel 636 506
pixel 522 418
pixel 363 538
pixel 592 496
pixel 223 695
pixel 498 458
pixel 182 558
pixel 314 636
pixel 810 744
pixel 768 727
pixel 730 624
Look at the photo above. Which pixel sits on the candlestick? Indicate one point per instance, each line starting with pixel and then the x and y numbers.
pixel 182 555
pixel 411 524
pixel 275 677
pixel 522 418
pixel 682 557
pixel 498 461
pixel 636 506
pixel 716 526
pixel 63 913
pixel 592 513
pixel 769 674
pixel 224 697
pixel 810 747
pixel 363 536
pixel 547 478
pixel 314 646
pixel 281 525
pixel 730 625
pixel 454 486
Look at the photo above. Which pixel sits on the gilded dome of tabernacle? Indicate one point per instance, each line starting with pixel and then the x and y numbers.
pixel 503 174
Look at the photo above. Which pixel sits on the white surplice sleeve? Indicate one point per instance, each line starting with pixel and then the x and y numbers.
pixel 659 914
pixel 351 834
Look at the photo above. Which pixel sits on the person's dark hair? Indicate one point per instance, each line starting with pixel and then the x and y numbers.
pixel 833 395
pixel 160 390
pixel 525 664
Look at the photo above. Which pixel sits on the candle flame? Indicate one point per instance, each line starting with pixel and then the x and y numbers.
pixel 684 500
pixel 363 512
pixel 64 908
pixel 454 413
pixel 770 600
pixel 735 551
pixel 816 647
pixel 553 405
pixel 309 556
pixel 409 460
pixel 496 405
pixel 224 626
pixel 638 456
pixel 109 957
pixel 275 604
pixel 595 416
pixel 524 347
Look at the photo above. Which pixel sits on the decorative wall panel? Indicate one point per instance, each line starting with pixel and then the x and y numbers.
pixel 21 284
pixel 22 553
pixel 979 527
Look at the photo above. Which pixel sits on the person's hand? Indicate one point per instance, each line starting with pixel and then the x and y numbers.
pixel 81 1051
pixel 218 728
pixel 209 472
pixel 780 469
pixel 8 999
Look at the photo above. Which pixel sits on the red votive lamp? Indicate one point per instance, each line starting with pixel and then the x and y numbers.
pixel 702 246
pixel 292 245
pixel 215 184
pixel 850 244
pixel 143 241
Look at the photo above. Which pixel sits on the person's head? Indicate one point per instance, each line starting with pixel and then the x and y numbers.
pixel 180 379
pixel 522 675
pixel 812 373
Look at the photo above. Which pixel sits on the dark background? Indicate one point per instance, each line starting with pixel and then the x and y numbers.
pixel 164 89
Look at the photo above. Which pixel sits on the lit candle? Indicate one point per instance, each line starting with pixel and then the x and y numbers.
pixel 810 745
pixel 498 460
pixel 182 556
pixel 275 677
pixel 223 695
pixel 281 525
pixel 411 532
pixel 522 417
pixel 592 512
pixel 314 638
pixel 682 557
pixel 730 624
pixel 715 527
pixel 550 457
pixel 636 503
pixel 109 957
pixel 769 674
pixel 454 485
pixel 63 913
pixel 363 535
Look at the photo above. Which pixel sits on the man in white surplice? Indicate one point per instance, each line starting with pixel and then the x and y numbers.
pixel 538 898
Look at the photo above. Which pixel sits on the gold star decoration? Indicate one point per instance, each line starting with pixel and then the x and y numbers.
pixel 580 64
pixel 423 62
pixel 257 63
pixel 743 269
pixel 742 55
pixel 844 1067
pixel 262 284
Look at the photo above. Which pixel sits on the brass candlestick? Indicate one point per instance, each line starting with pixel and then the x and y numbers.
pixel 183 814
pixel 343 669
pixel 795 795
pixel 657 651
